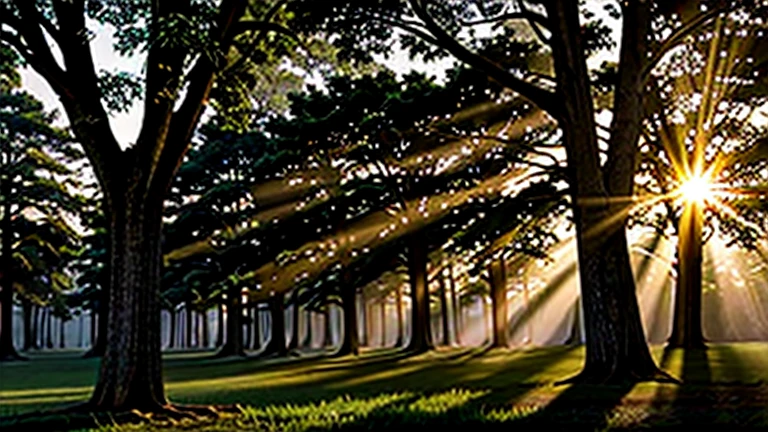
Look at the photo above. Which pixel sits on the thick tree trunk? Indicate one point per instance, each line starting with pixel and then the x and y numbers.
pixel 446 333
pixel 130 376
pixel 7 350
pixel 350 344
pixel 686 321
pixel 399 316
pixel 498 304
pixel 233 344
pixel 220 324
pixel 172 328
pixel 277 343
pixel 328 336
pixel 295 318
pixel 421 334
pixel 454 307
pixel 616 346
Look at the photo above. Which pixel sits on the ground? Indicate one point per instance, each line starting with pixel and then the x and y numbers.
pixel 726 384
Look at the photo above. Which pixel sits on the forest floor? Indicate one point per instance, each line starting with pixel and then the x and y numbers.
pixel 382 389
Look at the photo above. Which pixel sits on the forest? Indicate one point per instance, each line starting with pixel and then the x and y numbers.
pixel 315 215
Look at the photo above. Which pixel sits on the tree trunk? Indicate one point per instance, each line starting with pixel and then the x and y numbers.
pixel 94 323
pixel 81 331
pixel 421 334
pixel 307 342
pixel 686 323
pixel 383 324
pixel 256 327
pixel 172 328
pixel 328 336
pixel 188 322
pixel 220 324
pixel 399 314
pixel 444 311
pixel 99 333
pixel 49 329
pixel 277 343
pixel 7 350
pixel 248 324
pixel 204 325
pixel 616 347
pixel 233 344
pixel 61 333
pixel 350 343
pixel 364 319
pixel 454 307
pixel 295 318
pixel 36 327
pixel 498 304
pixel 130 376
pixel 26 308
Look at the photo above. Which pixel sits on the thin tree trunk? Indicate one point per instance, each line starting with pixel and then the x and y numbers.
pixel 399 316
pixel 383 319
pixel 49 329
pixel 99 331
pixel 26 307
pixel 686 323
pixel 41 326
pixel 188 323
pixel 81 331
pixel 307 342
pixel 94 323
pixel 444 311
pixel 172 328
pixel 36 327
pixel 220 324
pixel 204 325
pixel 248 324
pixel 61 333
pixel 233 344
pixel 421 334
pixel 277 343
pixel 295 318
pixel 7 350
pixel 498 304
pixel 256 327
pixel 328 336
pixel 454 306
pixel 364 319
pixel 350 343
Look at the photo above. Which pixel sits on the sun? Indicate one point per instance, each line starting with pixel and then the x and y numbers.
pixel 696 189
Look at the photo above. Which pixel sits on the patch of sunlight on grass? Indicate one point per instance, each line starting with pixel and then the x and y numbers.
pixel 442 402
pixel 514 413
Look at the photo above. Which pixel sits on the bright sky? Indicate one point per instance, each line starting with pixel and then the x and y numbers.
pixel 126 125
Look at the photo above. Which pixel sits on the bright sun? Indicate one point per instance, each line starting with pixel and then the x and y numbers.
pixel 696 189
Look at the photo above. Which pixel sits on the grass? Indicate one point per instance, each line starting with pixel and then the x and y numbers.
pixel 383 389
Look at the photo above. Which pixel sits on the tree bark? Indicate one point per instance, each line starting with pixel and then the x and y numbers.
pixel 26 308
pixel 61 333
pixel 498 304
pixel 616 346
pixel 130 376
pixel 399 314
pixel 220 324
pixel 7 350
pixel 295 318
pixel 204 325
pixel 328 336
pixel 686 322
pixel 364 319
pixel 36 339
pixel 172 328
pixel 307 342
pixel 99 332
pixel 233 344
pixel 455 307
pixel 49 329
pixel 383 323
pixel 94 322
pixel 446 333
pixel 421 334
pixel 350 344
pixel 256 327
pixel 248 324
pixel 188 322
pixel 277 343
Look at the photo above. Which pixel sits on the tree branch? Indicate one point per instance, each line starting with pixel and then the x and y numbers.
pixel 540 97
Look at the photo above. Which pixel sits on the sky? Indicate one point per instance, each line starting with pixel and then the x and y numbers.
pixel 126 125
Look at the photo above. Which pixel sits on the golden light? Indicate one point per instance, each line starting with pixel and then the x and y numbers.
pixel 696 189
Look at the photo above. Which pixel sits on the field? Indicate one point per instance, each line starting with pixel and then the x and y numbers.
pixel 382 389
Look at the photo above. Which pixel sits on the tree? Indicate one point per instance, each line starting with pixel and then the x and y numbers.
pixel 187 44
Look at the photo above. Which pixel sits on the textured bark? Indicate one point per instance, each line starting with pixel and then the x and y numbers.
pixel 295 318
pixel 172 328
pixel 233 343
pixel 399 316
pixel 350 344
pixel 421 334
pixel 446 333
pixel 454 307
pixel 686 321
pixel 498 304
pixel 616 346
pixel 130 376
pixel 277 343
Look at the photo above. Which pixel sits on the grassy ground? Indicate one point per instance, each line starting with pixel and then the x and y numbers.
pixel 383 389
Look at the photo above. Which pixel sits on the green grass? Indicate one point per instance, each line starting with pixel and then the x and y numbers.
pixel 383 389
